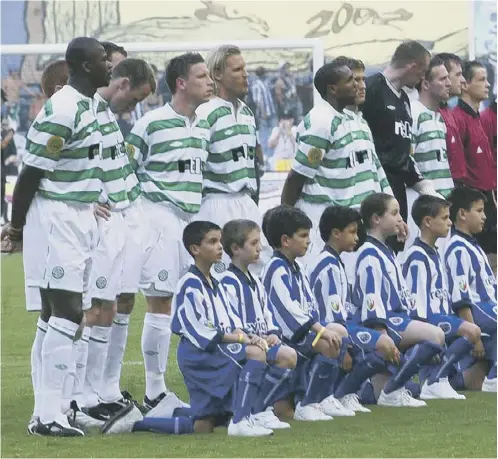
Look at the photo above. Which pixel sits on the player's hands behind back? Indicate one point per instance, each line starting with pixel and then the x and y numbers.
pixel 11 239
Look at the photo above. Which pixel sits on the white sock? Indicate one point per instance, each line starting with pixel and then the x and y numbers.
pixel 56 359
pixel 156 336
pixel 109 388
pixel 69 382
pixel 97 355
pixel 36 362
pixel 81 356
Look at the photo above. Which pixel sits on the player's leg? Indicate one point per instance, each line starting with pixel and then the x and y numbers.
pixel 275 386
pixel 135 238
pixel 165 263
pixel 70 241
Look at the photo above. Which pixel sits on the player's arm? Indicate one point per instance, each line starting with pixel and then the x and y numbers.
pixel 295 322
pixel 456 153
pixel 417 275
pixel 271 326
pixel 137 144
pixel 326 288
pixel 385 187
pixel 460 273
pixel 44 142
pixel 369 280
pixel 235 301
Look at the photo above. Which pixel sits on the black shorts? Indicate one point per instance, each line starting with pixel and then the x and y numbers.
pixel 487 239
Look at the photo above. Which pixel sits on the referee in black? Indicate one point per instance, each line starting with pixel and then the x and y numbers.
pixel 387 111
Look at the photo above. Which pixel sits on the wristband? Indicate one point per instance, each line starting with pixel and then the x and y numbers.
pixel 240 338
pixel 317 337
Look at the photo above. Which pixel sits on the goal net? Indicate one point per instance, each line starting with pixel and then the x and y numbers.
pixel 22 66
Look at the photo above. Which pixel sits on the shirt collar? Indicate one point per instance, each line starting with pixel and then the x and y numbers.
pixel 425 246
pixel 293 266
pixel 197 272
pixel 464 235
pixel 242 276
pixel 169 108
pixel 334 253
pixel 383 247
pixel 467 109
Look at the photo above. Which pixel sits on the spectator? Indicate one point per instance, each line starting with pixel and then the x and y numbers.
pixel 163 88
pixel 286 93
pixel 283 140
pixel 304 87
pixel 154 100
pixel 263 106
pixel 9 155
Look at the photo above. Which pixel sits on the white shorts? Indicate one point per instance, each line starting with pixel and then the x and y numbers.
pixel 220 208
pixel 34 254
pixel 108 258
pixel 71 232
pixel 314 212
pixel 165 258
pixel 134 218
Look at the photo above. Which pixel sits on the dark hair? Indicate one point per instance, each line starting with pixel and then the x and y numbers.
pixel 408 52
pixel 110 48
pixel 4 96
pixel 285 220
pixel 337 217
pixel 463 198
pixel 55 73
pixel 236 232
pixel 195 232
pixel 77 52
pixel 179 66
pixel 427 206
pixel 137 71
pixel 353 64
pixel 327 75
pixel 374 204
pixel 260 72
pixel 449 60
pixel 468 69
pixel 266 219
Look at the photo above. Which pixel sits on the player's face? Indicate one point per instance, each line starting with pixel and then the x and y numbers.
pixel 198 85
pixel 210 250
pixel 251 250
pixel 98 67
pixel 125 98
pixel 478 87
pixel 346 88
pixel 234 78
pixel 456 79
pixel 417 72
pixel 391 220
pixel 476 217
pixel 359 76
pixel 347 239
pixel 439 85
pixel 440 224
pixel 298 243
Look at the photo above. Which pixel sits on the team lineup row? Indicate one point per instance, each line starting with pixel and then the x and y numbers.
pixel 194 159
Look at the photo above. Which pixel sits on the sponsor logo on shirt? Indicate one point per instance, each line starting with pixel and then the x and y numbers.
pixel 403 129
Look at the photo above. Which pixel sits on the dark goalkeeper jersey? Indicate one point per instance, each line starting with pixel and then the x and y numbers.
pixel 388 114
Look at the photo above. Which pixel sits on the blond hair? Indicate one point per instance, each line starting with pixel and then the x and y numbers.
pixel 217 59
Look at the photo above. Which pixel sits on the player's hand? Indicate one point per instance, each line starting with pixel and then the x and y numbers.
pixel 396 357
pixel 402 232
pixel 479 351
pixel 272 340
pixel 258 341
pixel 332 338
pixel 102 211
pixel 347 363
pixel 11 239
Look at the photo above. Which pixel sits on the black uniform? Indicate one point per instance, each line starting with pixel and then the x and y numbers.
pixel 389 117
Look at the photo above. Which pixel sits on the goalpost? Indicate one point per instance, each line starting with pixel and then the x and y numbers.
pixel 272 182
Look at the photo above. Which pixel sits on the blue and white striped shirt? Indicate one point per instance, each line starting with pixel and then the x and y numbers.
pixel 470 277
pixel 201 313
pixel 247 298
pixel 379 285
pixel 330 287
pixel 290 298
pixel 426 280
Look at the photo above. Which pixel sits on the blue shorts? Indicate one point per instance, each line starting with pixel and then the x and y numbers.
pixel 449 324
pixel 271 355
pixel 304 348
pixel 210 377
pixel 363 338
pixel 485 317
pixel 396 324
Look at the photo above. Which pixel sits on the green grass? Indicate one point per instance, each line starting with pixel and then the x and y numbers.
pixel 443 429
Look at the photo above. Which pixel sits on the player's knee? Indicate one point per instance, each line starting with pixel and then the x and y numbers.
pixel 470 331
pixel 126 302
pixel 159 304
pixel 338 329
pixel 386 347
pixel 439 337
pixel 255 353
pixel 287 357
